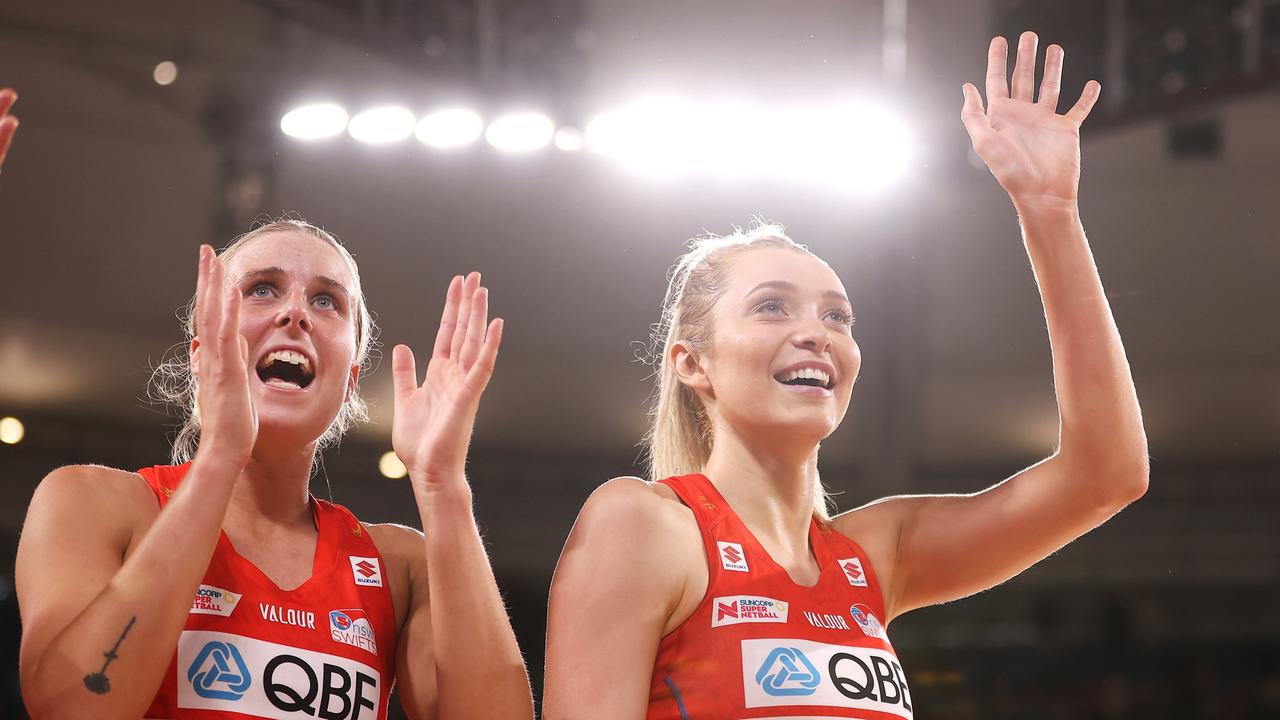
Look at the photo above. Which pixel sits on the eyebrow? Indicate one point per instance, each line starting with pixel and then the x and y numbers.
pixel 792 287
pixel 276 272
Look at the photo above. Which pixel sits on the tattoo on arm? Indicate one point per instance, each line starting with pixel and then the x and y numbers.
pixel 98 682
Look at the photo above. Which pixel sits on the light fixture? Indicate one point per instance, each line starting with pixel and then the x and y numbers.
pixel 390 466
pixel 165 73
pixel 520 132
pixel 382 125
pixel 450 128
pixel 313 122
pixel 11 430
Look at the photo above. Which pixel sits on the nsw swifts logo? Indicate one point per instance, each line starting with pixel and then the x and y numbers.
pixel 351 626
pixel 366 571
pixel 852 568
pixel 732 557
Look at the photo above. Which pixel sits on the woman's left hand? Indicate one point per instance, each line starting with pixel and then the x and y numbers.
pixel 1032 150
pixel 432 425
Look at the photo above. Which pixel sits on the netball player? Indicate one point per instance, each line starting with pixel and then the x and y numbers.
pixel 724 590
pixel 8 123
pixel 219 587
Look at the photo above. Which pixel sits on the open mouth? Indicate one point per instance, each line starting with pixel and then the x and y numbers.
pixel 808 377
pixel 285 368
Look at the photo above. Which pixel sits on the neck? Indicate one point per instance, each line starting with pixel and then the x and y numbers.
pixel 771 491
pixel 273 487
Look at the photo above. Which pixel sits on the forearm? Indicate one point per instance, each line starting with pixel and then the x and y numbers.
pixel 1101 422
pixel 481 672
pixel 138 615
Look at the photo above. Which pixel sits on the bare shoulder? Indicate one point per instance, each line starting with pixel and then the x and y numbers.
pixel 633 504
pixel 873 522
pixel 394 538
pixel 108 494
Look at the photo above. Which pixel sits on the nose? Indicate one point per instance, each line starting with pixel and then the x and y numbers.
pixel 813 335
pixel 294 312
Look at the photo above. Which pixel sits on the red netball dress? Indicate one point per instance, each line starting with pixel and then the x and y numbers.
pixel 761 646
pixel 249 649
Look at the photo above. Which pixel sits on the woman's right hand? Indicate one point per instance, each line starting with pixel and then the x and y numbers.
pixel 220 362
pixel 8 123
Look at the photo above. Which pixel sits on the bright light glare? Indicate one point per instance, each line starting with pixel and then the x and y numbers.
pixel 854 146
pixel 382 125
pixel 390 466
pixel 165 73
pixel 520 132
pixel 450 128
pixel 313 122
pixel 569 139
pixel 11 430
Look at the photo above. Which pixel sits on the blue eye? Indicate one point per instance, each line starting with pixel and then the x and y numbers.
pixel 841 317
pixel 260 291
pixel 325 302
pixel 770 306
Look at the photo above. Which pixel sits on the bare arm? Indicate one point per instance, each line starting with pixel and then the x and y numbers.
pixel 628 549
pixel 99 629
pixel 485 675
pixel 952 546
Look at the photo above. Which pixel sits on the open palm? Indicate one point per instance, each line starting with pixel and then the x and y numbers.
pixel 432 425
pixel 1033 151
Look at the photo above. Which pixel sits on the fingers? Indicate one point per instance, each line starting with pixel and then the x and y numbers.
pixel 7 98
pixel 479 374
pixel 464 314
pixel 997 56
pixel 1084 105
pixel 404 372
pixel 1051 83
pixel 8 126
pixel 1024 69
pixel 205 322
pixel 973 116
pixel 448 319
pixel 476 325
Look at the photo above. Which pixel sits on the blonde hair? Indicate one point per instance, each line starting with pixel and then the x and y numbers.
pixel 172 381
pixel 679 439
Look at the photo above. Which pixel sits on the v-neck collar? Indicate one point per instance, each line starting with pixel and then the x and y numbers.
pixel 321 562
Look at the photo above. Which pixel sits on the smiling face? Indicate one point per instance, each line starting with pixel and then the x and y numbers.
pixel 781 358
pixel 297 313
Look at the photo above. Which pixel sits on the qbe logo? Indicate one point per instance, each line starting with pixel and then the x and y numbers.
pixel 785 672
pixel 779 672
pixel 236 674
pixel 219 672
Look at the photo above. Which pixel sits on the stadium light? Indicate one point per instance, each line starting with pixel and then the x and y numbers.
pixel 450 128
pixel 382 125
pixel 313 122
pixel 520 132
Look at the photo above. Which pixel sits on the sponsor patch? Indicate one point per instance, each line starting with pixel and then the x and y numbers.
pixel 212 600
pixel 287 616
pixel 782 672
pixel 352 626
pixel 868 622
pixel 853 572
pixel 234 674
pixel 736 609
pixel 366 571
pixel 732 557
pixel 827 621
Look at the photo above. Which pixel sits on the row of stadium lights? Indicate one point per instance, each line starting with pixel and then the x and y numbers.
pixel 854 145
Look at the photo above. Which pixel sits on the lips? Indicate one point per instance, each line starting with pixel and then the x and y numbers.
pixel 286 368
pixel 811 374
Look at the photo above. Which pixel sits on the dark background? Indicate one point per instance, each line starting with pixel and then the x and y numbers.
pixel 1167 611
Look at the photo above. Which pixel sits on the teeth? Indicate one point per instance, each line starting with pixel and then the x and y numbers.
pixel 811 373
pixel 286 356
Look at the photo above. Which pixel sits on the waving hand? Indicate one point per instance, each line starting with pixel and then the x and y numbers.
pixel 8 123
pixel 432 425
pixel 1033 151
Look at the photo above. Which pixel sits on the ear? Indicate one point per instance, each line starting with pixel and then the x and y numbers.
pixel 193 354
pixel 353 382
pixel 686 362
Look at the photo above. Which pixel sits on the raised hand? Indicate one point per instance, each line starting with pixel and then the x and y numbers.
pixel 228 422
pixel 432 425
pixel 8 123
pixel 1032 150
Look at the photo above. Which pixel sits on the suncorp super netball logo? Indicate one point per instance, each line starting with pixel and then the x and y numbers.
pixel 212 600
pixel 736 609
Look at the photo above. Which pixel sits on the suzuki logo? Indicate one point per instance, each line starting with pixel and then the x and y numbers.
pixel 219 672
pixel 366 568
pixel 786 671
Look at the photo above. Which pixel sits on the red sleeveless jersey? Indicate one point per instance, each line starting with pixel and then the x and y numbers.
pixel 761 646
pixel 249 649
